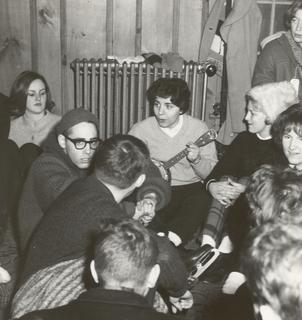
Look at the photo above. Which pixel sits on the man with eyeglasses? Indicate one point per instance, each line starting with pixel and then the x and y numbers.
pixel 66 157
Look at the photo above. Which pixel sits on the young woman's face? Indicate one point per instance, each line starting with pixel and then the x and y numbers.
pixel 292 148
pixel 36 97
pixel 166 113
pixel 256 121
pixel 296 27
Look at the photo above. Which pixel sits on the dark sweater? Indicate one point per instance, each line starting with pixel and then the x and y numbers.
pixel 68 228
pixel 50 174
pixel 244 156
pixel 104 304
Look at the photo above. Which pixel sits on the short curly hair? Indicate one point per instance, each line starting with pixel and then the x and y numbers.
pixel 175 88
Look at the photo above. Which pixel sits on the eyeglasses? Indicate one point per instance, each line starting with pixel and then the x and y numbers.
pixel 81 144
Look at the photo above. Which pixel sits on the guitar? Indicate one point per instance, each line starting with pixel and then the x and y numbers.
pixel 164 166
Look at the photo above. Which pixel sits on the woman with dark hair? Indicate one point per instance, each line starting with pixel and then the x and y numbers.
pixel 281 58
pixel 30 102
pixel 166 134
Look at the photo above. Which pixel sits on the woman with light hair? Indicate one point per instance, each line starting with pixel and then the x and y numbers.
pixel 249 150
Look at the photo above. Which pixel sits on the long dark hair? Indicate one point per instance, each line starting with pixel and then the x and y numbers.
pixel 18 93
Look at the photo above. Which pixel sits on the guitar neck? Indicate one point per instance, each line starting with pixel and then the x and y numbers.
pixel 201 141
pixel 170 163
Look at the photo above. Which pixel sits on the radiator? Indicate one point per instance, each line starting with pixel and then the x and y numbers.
pixel 115 92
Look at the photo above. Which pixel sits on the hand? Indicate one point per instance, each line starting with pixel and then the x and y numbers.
pixel 193 152
pixel 183 302
pixel 226 192
pixel 145 210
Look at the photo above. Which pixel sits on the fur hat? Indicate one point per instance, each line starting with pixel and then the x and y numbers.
pixel 273 98
pixel 73 117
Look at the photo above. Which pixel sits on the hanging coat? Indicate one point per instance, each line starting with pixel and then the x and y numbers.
pixel 241 32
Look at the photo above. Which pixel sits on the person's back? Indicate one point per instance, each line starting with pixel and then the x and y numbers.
pixel 123 291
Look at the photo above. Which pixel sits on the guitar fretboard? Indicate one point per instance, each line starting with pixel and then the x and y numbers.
pixel 201 141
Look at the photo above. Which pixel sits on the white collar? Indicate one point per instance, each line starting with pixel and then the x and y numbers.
pixel 261 138
pixel 172 132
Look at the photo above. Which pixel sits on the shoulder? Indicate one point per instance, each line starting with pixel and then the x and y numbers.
pixel 52 117
pixel 16 122
pixel 276 47
pixel 148 122
pixel 140 129
pixel 194 122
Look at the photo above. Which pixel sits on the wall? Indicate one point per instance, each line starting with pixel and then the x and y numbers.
pixel 47 35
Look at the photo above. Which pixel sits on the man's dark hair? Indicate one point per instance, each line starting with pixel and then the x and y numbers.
pixel 120 160
pixel 125 251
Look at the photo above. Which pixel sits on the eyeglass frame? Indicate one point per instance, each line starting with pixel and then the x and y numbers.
pixel 74 141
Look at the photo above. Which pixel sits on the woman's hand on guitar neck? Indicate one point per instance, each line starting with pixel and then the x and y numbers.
pixel 193 153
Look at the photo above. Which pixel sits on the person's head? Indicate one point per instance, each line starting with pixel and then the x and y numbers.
pixel 274 194
pixel 272 264
pixel 126 257
pixel 30 94
pixel 169 98
pixel 293 21
pixel 77 135
pixel 265 102
pixel 121 161
pixel 287 134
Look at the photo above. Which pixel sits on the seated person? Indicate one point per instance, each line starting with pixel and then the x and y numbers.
pixel 286 132
pixel 30 101
pixel 67 154
pixel 167 133
pixel 126 269
pixel 246 153
pixel 60 245
pixel 272 264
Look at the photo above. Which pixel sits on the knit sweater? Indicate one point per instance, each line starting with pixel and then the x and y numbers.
pixel 24 130
pixel 69 226
pixel 244 156
pixel 50 174
pixel 163 147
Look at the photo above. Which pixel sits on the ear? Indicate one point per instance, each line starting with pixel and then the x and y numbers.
pixel 153 276
pixel 140 180
pixel 267 122
pixel 93 272
pixel 267 313
pixel 62 141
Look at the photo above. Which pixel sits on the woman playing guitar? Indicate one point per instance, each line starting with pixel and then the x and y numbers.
pixel 167 133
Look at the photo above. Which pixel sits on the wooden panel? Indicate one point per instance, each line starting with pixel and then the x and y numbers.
pixel 124 17
pixel 190 33
pixel 49 47
pixel 86 35
pixel 15 41
pixel 157 22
